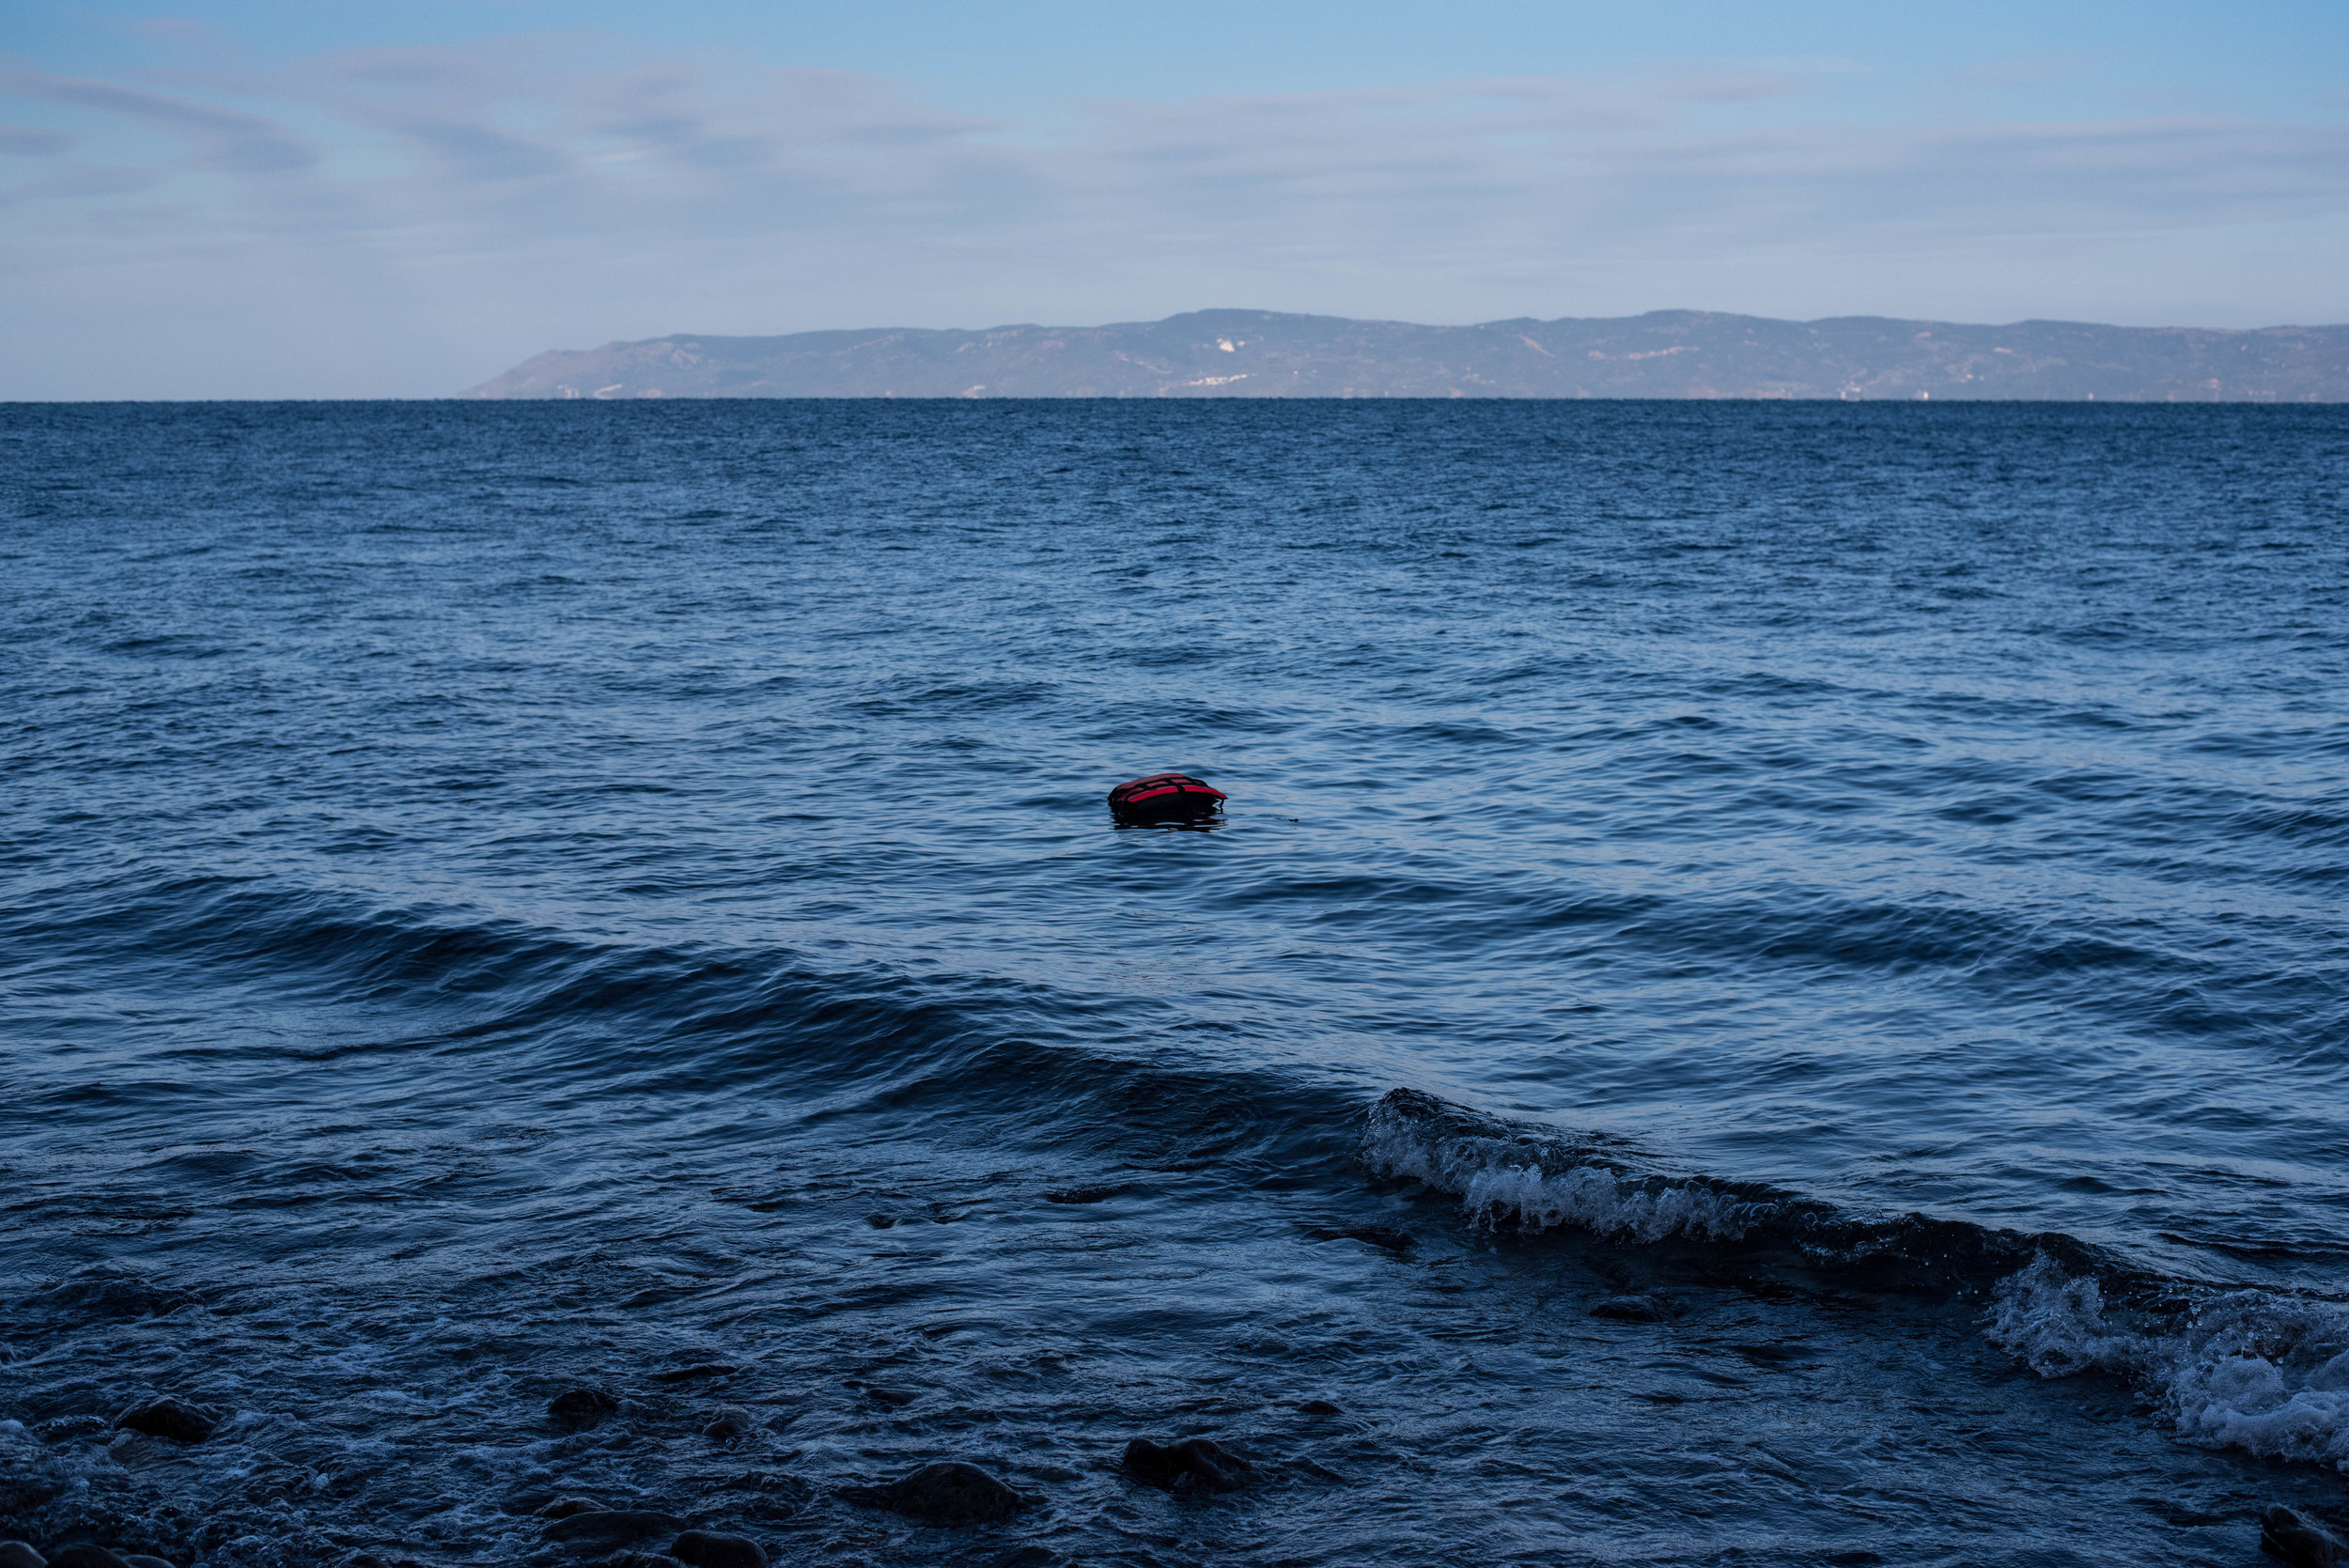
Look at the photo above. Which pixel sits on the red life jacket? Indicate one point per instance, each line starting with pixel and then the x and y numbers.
pixel 1164 797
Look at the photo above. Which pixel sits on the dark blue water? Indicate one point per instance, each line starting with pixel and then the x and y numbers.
pixel 500 899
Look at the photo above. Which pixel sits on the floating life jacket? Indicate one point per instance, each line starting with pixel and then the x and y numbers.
pixel 1164 797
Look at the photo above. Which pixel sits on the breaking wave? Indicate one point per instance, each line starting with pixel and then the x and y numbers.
pixel 1537 1178
pixel 2263 1371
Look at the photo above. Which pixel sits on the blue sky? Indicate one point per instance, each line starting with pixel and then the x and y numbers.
pixel 400 199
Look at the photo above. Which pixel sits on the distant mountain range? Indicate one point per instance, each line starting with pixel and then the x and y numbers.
pixel 1665 353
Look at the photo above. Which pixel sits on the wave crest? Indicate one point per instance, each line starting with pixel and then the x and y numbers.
pixel 2263 1371
pixel 1539 1177
pixel 2256 1370
pixel 1503 1171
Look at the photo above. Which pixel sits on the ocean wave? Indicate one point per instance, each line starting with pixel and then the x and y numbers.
pixel 462 1013
pixel 1503 1172
pixel 2267 1372
pixel 2263 1371
pixel 1535 1178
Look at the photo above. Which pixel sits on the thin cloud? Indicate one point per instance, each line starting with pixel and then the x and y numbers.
pixel 538 182
pixel 25 141
pixel 1615 163
pixel 75 181
pixel 469 149
pixel 225 140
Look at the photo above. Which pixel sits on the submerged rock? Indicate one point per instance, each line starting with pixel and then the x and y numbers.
pixel 1385 1238
pixel 1320 1407
pixel 563 1508
pixel 86 1557
pixel 582 1408
pixel 174 1418
pixel 699 1548
pixel 140 1560
pixel 1193 1464
pixel 1026 1557
pixel 728 1426
pixel 1080 1195
pixel 613 1527
pixel 698 1370
pixel 16 1554
pixel 1631 1308
pixel 2295 1538
pixel 951 1493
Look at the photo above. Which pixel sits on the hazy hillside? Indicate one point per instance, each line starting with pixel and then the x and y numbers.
pixel 1666 353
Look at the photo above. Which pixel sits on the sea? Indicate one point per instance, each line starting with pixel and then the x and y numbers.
pixel 1772 987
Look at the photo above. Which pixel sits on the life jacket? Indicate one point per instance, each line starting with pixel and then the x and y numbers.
pixel 1164 797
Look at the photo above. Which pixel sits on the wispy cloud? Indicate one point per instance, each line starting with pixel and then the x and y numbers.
pixel 25 141
pixel 1648 155
pixel 221 140
pixel 553 172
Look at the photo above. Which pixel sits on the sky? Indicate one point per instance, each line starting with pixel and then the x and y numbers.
pixel 262 199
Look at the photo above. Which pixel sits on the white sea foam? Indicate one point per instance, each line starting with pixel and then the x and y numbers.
pixel 2054 1324
pixel 1643 1208
pixel 2249 1369
pixel 2255 1370
pixel 1498 1179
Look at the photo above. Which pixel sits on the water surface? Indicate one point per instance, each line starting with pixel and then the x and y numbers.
pixel 501 898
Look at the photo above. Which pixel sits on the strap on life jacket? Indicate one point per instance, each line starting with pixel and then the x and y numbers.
pixel 1165 793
